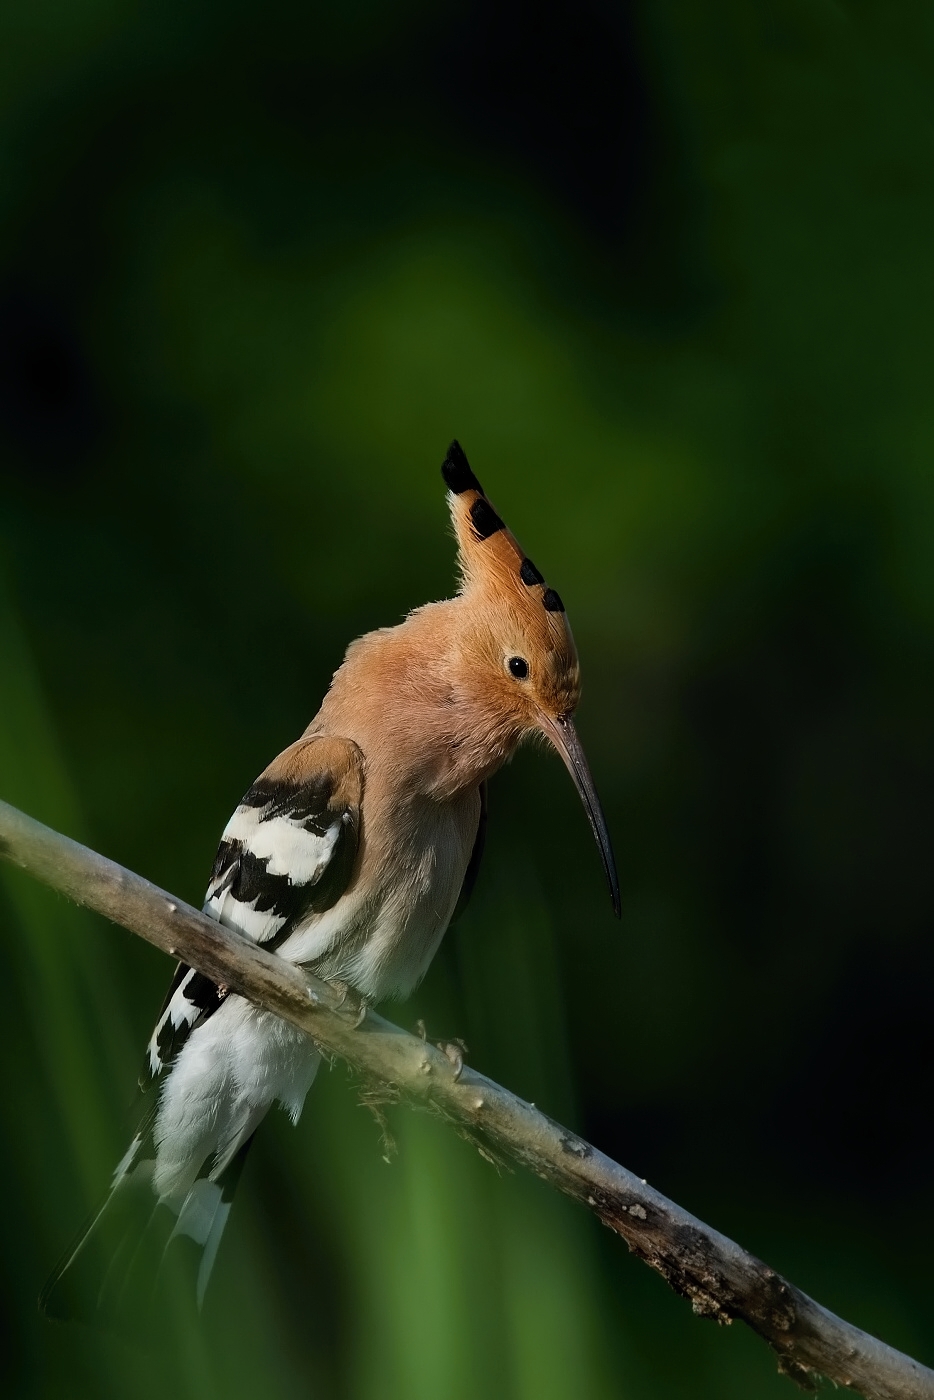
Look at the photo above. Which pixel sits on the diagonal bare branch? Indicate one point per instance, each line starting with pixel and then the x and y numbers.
pixel 721 1280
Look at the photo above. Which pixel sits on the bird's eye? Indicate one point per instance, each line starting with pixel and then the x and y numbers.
pixel 518 667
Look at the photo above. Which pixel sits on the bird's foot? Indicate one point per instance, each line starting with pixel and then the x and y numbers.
pixel 352 1003
pixel 453 1050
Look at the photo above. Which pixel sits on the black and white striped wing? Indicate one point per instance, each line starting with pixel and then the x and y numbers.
pixel 283 852
pixel 287 852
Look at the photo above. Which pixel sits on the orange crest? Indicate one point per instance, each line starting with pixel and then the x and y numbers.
pixel 492 561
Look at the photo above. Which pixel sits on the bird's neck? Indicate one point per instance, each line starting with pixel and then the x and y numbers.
pixel 410 699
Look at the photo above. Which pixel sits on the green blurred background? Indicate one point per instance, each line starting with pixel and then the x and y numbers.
pixel 666 271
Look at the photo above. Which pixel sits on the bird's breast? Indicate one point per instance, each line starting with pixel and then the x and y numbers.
pixel 381 936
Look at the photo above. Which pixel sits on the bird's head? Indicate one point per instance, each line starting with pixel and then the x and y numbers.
pixel 520 653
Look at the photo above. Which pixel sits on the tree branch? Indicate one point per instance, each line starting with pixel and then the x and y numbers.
pixel 721 1280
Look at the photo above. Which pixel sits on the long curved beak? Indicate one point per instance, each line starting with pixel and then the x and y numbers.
pixel 563 735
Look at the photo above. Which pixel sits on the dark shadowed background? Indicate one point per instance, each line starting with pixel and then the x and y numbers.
pixel 666 271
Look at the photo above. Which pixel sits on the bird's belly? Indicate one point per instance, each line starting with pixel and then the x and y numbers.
pixel 404 936
pixel 228 1072
pixel 381 937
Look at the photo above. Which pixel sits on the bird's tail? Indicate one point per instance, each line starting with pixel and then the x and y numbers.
pixel 137 1244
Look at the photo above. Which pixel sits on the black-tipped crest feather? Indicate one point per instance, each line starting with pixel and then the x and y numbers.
pixel 478 522
pixel 484 519
pixel 456 471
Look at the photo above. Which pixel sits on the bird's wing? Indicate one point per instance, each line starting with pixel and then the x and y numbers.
pixel 287 851
pixel 476 855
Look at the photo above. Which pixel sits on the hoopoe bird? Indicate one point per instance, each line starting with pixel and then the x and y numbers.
pixel 349 855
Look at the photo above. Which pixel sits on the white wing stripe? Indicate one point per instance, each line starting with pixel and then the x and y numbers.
pixel 260 925
pixel 291 850
pixel 288 847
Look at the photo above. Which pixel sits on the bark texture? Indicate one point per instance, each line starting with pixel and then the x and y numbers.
pixel 721 1280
